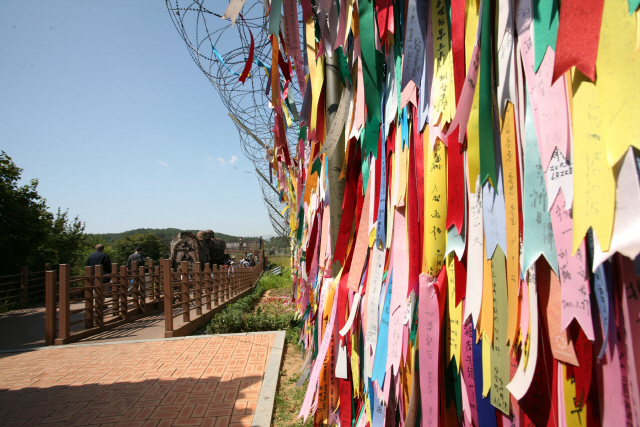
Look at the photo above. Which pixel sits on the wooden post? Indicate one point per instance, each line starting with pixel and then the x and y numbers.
pixel 233 284
pixel 219 279
pixel 133 283
pixel 226 279
pixel 115 289
pixel 149 282
pixel 24 285
pixel 100 288
pixel 88 297
pixel 156 286
pixel 232 281
pixel 231 276
pixel 208 286
pixel 235 275
pixel 121 294
pixel 184 269
pixel 168 300
pixel 221 283
pixel 215 282
pixel 197 276
pixel 142 294
pixel 65 289
pixel 50 307
pixel 236 280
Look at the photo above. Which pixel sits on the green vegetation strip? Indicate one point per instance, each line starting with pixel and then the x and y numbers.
pixel 276 313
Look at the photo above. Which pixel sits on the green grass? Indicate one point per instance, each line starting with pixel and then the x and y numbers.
pixel 289 399
pixel 243 316
pixel 283 260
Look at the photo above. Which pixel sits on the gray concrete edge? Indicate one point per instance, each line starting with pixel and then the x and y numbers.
pixel 264 408
pixel 190 337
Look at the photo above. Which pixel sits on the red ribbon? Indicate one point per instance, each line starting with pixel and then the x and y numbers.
pixel 457 41
pixel 456 193
pixel 247 67
pixel 578 36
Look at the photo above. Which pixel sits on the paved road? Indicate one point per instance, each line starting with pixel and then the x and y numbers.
pixel 198 381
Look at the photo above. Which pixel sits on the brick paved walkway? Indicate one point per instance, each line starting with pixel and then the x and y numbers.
pixel 213 381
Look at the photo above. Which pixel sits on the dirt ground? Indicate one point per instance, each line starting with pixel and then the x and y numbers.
pixel 289 397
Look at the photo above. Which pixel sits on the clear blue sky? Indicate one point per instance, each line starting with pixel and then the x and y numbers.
pixel 101 102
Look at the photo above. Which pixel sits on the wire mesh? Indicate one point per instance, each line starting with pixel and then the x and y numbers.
pixel 221 51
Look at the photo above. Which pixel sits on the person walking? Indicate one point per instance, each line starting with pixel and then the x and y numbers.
pixel 100 258
pixel 136 256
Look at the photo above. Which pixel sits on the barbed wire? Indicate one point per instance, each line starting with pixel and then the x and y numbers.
pixel 221 52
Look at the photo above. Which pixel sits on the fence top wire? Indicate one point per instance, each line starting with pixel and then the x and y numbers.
pixel 221 51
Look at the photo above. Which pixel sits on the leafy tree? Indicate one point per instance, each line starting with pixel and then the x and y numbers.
pixel 152 247
pixel 65 241
pixel 29 234
pixel 24 220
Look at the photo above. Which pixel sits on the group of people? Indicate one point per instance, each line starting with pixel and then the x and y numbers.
pixel 99 257
pixel 248 261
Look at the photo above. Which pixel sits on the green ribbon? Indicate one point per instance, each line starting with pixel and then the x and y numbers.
pixel 545 27
pixel 371 74
pixel 344 66
pixel 274 16
pixel 487 153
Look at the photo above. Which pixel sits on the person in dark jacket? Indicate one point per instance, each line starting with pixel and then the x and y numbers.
pixel 99 257
pixel 136 256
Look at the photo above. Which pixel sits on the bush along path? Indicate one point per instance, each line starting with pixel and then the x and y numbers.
pixel 270 307
pixel 276 312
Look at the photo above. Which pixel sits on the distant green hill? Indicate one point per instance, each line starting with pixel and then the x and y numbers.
pixel 168 234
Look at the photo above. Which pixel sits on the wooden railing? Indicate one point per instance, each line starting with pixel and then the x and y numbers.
pixel 196 294
pixel 82 306
pixel 22 290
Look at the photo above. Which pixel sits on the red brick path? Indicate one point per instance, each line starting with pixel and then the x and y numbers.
pixel 192 382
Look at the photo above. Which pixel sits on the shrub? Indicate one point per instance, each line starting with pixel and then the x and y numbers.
pixel 277 313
